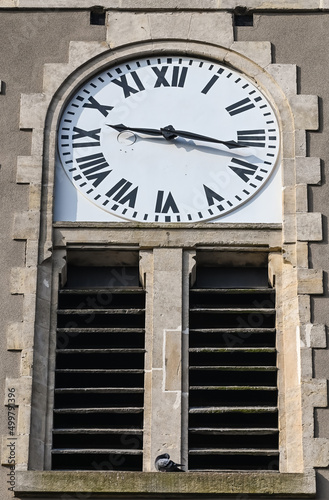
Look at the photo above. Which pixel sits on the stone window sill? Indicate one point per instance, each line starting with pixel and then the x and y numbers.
pixel 99 484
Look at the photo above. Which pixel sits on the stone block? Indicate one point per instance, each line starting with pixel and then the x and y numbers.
pixel 300 143
pixel 24 420
pixel 15 337
pixel 288 140
pixel 35 198
pixel 165 403
pixel 8 3
pixel 286 77
pixel 305 111
pixel 32 248
pixel 304 308
pixel 20 336
pixel 38 143
pixel 29 305
pixel 26 225
pixel 308 170
pixel 22 386
pixel 316 452
pixel 310 281
pixel 23 280
pixel 33 111
pixel 172 361
pixel 81 52
pixel 301 254
pixel 211 485
pixel 301 199
pixel 296 254
pixel 123 28
pixel 29 170
pixel 314 393
pixel 27 362
pixel 288 172
pixel 211 27
pixel 306 368
pixel 170 4
pixel 289 200
pixel 289 254
pixel 309 226
pixel 259 52
pixel 289 228
pixel 170 25
pixel 17 446
pixel 312 335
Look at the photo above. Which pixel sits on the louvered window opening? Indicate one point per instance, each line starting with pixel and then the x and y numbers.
pixel 99 376
pixel 233 414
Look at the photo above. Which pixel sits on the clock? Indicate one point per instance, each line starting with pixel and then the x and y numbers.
pixel 168 139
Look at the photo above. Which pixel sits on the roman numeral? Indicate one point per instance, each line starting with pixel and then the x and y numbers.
pixel 240 106
pixel 244 169
pixel 252 138
pixel 212 195
pixel 122 193
pixel 92 134
pixel 127 89
pixel 169 204
pixel 211 82
pixel 93 104
pixel 92 167
pixel 178 76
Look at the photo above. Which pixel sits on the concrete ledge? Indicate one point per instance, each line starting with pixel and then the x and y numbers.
pixel 189 236
pixel 154 484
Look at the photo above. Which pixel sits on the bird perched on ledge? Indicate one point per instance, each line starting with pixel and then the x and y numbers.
pixel 164 464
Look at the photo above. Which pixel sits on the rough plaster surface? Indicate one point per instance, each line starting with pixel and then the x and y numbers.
pixel 306 35
pixel 28 40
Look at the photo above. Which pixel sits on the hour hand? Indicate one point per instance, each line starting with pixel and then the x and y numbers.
pixel 197 137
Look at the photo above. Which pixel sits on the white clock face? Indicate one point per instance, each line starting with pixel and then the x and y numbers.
pixel 153 166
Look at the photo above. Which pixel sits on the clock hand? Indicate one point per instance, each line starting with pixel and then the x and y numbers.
pixel 170 133
pixel 149 131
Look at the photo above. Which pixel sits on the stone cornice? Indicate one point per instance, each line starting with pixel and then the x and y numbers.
pixel 157 5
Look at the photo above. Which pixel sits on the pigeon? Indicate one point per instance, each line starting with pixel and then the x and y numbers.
pixel 164 464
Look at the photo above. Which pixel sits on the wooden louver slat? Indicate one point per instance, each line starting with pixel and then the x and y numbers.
pixel 233 413
pixel 99 379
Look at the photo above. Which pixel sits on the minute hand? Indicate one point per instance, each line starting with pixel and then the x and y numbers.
pixel 191 135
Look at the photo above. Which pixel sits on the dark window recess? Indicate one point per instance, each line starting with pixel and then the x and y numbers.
pixel 99 378
pixel 233 414
pixel 97 17
pixel 243 20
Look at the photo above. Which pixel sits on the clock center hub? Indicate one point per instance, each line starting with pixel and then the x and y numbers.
pixel 126 138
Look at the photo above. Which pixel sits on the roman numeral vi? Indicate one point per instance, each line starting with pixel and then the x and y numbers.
pixel 162 207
